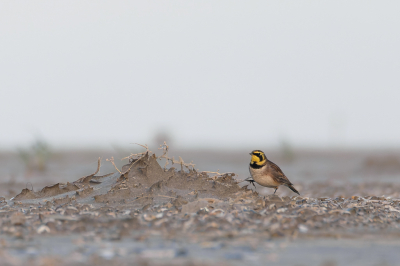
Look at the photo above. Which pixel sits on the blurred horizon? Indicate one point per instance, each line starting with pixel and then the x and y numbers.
pixel 225 75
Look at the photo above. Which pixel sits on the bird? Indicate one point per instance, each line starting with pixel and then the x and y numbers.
pixel 266 173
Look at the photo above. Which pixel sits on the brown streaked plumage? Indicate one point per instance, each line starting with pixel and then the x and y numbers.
pixel 266 173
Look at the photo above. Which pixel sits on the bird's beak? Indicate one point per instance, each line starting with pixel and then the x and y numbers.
pixel 250 153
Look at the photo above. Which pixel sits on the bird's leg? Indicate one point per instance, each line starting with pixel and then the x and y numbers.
pixel 251 181
pixel 275 189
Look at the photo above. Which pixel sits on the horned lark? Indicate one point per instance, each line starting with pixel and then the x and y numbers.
pixel 266 173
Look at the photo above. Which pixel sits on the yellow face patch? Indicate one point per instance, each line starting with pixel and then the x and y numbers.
pixel 255 158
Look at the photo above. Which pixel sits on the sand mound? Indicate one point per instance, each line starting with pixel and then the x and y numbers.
pixel 142 183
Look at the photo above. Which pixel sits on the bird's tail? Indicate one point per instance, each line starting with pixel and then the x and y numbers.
pixel 293 189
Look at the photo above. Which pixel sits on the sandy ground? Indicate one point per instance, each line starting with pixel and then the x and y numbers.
pixel 69 213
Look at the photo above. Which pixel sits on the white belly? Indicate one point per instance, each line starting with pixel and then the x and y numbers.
pixel 261 178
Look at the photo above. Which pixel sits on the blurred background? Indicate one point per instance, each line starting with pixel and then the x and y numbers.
pixel 313 84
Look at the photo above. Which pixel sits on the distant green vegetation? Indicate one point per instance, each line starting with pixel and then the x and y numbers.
pixel 35 157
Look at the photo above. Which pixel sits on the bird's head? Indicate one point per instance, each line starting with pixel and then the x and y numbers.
pixel 258 158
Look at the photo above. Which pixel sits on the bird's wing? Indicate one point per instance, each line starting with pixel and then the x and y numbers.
pixel 278 174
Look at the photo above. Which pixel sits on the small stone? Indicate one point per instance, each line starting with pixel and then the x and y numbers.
pixel 149 217
pixel 280 210
pixel 303 228
pixel 43 229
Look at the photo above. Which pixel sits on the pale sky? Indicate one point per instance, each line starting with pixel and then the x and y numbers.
pixel 211 73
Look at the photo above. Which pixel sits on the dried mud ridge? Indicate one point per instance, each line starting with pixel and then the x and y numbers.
pixel 147 200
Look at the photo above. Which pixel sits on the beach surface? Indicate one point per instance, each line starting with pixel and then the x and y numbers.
pixel 72 209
